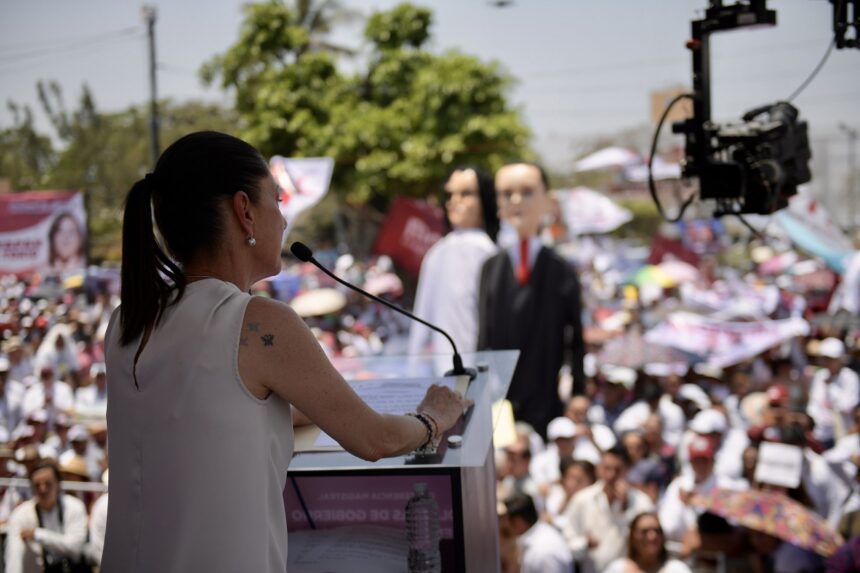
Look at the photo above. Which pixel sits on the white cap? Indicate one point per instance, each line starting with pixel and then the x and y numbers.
pixel 620 375
pixel 78 433
pixel 561 427
pixel 604 438
pixel 695 395
pixel 38 416
pixel 97 368
pixel 23 431
pixel 831 348
pixel 709 422
pixel 709 370
pixel 662 370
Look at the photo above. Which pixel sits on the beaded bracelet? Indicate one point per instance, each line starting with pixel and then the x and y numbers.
pixel 425 419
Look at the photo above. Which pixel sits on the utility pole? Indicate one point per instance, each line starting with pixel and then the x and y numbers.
pixel 852 169
pixel 154 149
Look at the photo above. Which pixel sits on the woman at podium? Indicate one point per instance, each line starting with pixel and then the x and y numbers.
pixel 202 376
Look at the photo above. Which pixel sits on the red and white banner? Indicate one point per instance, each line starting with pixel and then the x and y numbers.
pixel 303 182
pixel 409 230
pixel 43 232
pixel 724 342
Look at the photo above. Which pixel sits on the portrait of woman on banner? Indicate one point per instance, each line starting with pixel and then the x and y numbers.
pixel 66 245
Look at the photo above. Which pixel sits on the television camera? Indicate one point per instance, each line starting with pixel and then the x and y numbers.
pixel 753 166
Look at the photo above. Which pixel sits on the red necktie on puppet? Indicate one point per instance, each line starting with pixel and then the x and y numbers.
pixel 523 268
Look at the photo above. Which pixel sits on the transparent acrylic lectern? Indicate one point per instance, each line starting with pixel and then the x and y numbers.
pixel 336 498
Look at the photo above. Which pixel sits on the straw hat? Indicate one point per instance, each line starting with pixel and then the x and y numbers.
pixel 76 466
pixel 318 302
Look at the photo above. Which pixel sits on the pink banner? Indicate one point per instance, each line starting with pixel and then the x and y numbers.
pixel 43 232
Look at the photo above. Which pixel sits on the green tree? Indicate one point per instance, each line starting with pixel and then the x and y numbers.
pixel 102 154
pixel 26 156
pixel 395 128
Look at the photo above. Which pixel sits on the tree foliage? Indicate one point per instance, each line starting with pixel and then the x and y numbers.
pixel 396 127
pixel 102 154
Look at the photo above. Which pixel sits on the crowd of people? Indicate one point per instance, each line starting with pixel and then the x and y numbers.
pixel 53 399
pixel 631 476
pixel 624 478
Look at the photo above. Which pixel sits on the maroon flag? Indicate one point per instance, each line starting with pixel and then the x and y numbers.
pixel 408 231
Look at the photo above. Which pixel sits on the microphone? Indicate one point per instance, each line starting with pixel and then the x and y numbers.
pixel 304 254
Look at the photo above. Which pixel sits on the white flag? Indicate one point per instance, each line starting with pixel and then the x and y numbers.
pixel 303 181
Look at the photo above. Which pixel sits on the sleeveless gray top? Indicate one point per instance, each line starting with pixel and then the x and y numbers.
pixel 197 463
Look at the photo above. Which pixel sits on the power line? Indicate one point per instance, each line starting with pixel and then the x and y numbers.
pixel 23 49
pixel 96 41
pixel 658 62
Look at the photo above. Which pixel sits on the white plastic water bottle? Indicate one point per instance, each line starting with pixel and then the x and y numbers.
pixel 422 532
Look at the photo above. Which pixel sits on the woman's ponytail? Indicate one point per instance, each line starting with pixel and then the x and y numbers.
pixel 148 274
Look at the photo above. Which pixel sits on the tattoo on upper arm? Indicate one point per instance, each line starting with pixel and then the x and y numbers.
pixel 268 339
pixel 254 326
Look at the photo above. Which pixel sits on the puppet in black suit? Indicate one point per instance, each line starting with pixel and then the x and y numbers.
pixel 529 300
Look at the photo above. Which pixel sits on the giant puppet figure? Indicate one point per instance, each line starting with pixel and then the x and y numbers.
pixel 529 300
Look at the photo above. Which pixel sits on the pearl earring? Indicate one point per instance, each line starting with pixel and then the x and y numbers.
pixel 252 241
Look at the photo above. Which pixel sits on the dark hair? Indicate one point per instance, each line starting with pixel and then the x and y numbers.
pixel 46 463
pixel 632 553
pixel 55 228
pixel 619 452
pixel 487 194
pixel 586 466
pixel 192 179
pixel 543 176
pixel 521 505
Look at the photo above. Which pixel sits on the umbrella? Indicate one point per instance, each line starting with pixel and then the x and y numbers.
pixel 608 158
pixel 651 274
pixel 386 283
pixel 633 351
pixel 588 211
pixel 661 169
pixel 318 302
pixel 774 514
pixel 679 271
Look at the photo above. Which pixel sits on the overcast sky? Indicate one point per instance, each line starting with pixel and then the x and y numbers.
pixel 584 67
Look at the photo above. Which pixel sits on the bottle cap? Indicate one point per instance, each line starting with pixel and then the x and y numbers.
pixel 455 441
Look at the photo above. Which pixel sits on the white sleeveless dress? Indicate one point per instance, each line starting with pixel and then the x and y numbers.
pixel 198 464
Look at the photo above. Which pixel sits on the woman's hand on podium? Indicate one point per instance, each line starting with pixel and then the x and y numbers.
pixel 445 406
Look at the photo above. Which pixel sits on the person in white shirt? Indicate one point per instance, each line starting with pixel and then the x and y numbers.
pixel 592 436
pixel 544 467
pixel 92 399
pixel 58 351
pixel 847 449
pixel 729 443
pixel 47 530
pixel 600 515
pixel 542 548
pixel 447 293
pixel 654 401
pixel 20 364
pixel 646 551
pixel 11 396
pixel 49 394
pixel 576 475
pixel 676 515
pixel 833 394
